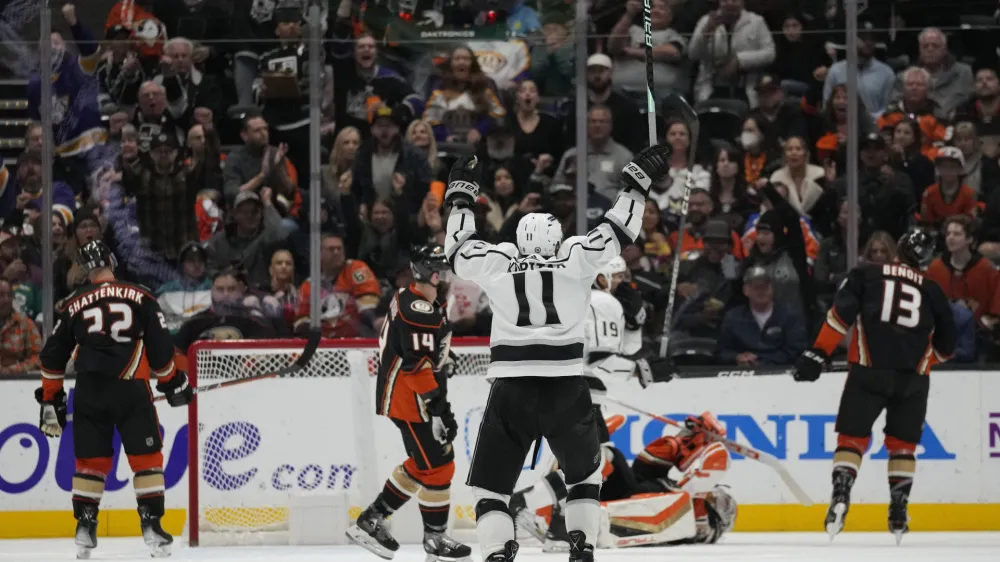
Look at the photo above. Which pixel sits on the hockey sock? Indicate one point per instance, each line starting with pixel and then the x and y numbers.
pixel 398 490
pixel 88 488
pixel 902 466
pixel 149 487
pixel 847 457
pixel 583 509
pixel 434 508
pixel 494 525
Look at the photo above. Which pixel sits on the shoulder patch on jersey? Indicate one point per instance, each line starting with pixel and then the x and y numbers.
pixel 422 307
pixel 359 276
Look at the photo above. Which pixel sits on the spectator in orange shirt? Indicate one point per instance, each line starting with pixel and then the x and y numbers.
pixel 700 208
pixel 949 196
pixel 962 273
pixel 350 293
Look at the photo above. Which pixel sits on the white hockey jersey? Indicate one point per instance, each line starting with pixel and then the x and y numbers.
pixel 540 304
pixel 608 342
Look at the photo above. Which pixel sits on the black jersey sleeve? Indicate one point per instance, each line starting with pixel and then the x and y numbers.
pixel 846 304
pixel 157 341
pixel 56 353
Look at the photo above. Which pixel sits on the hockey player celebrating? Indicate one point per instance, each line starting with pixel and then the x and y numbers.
pixel 121 342
pixel 700 465
pixel 904 327
pixel 412 391
pixel 536 289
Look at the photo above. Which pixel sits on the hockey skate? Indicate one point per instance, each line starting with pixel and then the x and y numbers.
pixel 579 549
pixel 508 554
pixel 371 533
pixel 840 502
pixel 86 533
pixel 441 547
pixel 898 518
pixel 556 538
pixel 153 535
pixel 524 518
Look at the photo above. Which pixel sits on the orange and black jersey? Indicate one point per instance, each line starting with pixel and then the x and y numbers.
pixel 902 320
pixel 414 343
pixel 114 330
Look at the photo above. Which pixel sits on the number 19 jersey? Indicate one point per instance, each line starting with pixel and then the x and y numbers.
pixel 902 320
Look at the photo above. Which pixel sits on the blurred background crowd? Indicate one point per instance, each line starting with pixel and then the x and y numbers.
pixel 181 136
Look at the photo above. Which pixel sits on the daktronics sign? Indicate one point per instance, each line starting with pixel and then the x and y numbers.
pixel 225 446
pixel 770 435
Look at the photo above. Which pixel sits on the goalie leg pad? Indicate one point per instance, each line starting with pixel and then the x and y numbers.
pixel 649 519
pixel 704 469
pixel 494 525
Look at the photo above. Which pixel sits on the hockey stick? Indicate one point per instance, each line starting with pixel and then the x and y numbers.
pixel 691 118
pixel 312 343
pixel 647 25
pixel 765 458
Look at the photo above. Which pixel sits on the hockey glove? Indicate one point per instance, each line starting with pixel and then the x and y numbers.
pixel 443 423
pixel 178 391
pixel 809 365
pixel 631 301
pixel 52 417
pixel 646 168
pixel 463 183
pixel 654 369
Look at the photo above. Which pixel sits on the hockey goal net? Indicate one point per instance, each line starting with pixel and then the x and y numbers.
pixel 252 446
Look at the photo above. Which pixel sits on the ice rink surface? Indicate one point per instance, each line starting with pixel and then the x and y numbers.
pixel 742 547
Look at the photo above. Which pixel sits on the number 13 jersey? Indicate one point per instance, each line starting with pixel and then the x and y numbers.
pixel 540 305
pixel 902 320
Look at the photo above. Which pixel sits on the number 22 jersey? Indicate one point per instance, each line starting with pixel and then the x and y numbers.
pixel 902 320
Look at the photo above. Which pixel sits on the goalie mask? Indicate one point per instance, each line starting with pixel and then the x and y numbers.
pixel 607 277
pixel 428 260
pixel 695 428
pixel 539 233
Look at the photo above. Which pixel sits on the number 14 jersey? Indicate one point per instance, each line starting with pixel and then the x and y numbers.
pixel 902 320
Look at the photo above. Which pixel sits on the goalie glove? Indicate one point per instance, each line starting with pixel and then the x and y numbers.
pixel 809 365
pixel 52 416
pixel 654 369
pixel 177 390
pixel 646 168
pixel 443 423
pixel 463 183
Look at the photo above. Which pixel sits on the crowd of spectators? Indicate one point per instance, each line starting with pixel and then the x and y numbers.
pixel 182 139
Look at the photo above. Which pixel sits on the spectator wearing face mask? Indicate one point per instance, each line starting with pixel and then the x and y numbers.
pixel 759 141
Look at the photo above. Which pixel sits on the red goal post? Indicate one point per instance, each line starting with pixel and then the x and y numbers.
pixel 251 446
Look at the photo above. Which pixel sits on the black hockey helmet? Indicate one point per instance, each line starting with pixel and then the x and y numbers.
pixel 915 248
pixel 428 260
pixel 96 255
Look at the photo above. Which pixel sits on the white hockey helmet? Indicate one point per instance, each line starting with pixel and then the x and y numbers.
pixel 616 265
pixel 539 233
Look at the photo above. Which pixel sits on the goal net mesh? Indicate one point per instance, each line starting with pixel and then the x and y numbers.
pixel 314 431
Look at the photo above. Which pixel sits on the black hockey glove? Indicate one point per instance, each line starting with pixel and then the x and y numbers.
pixel 654 369
pixel 631 301
pixel 463 183
pixel 647 168
pixel 178 391
pixel 809 365
pixel 52 417
pixel 443 422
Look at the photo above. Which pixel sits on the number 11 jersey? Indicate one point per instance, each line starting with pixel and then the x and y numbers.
pixel 902 320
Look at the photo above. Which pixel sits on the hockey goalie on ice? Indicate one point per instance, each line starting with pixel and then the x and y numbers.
pixel 670 494
pixel 643 503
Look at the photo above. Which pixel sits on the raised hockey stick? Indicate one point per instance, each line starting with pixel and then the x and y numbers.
pixel 768 459
pixel 691 118
pixel 647 25
pixel 312 344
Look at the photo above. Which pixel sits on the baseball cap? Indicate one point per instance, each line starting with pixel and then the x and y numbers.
pixel 872 140
pixel 716 230
pixel 600 59
pixel 192 247
pixel 768 81
pixel 756 273
pixel 163 140
pixel 560 188
pixel 950 153
pixel 245 196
